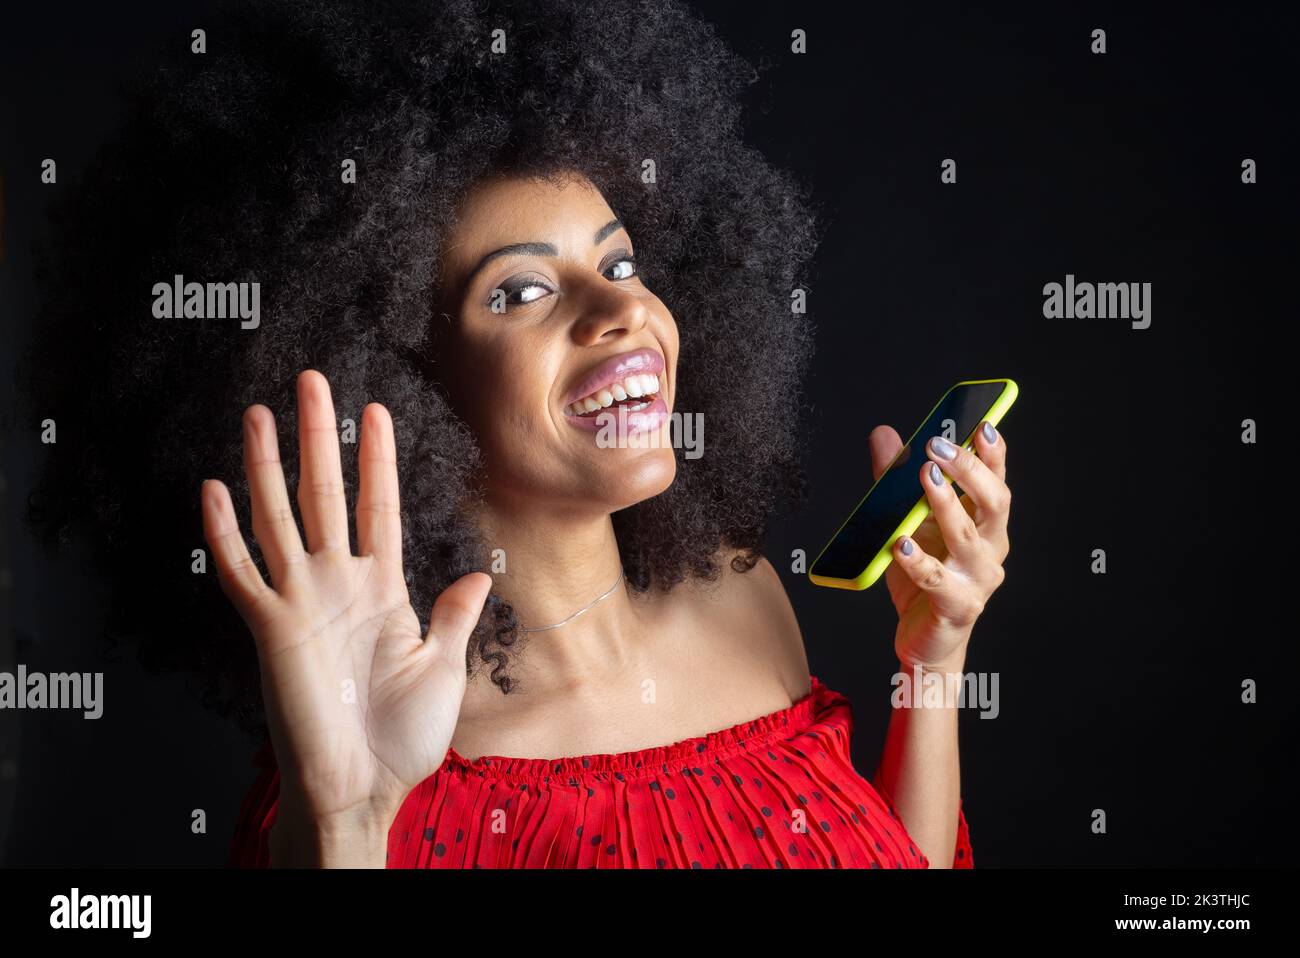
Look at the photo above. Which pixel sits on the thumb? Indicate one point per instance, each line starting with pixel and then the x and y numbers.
pixel 884 444
pixel 455 613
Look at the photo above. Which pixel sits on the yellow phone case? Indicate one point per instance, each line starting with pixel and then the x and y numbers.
pixel 876 568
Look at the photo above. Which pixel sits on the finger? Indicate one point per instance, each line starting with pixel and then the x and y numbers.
pixel 379 521
pixel 239 578
pixel 992 449
pixel 884 444
pixel 990 494
pixel 320 485
pixel 952 601
pixel 273 521
pixel 958 529
pixel 455 614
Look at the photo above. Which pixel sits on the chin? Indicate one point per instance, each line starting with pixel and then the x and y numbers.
pixel 641 474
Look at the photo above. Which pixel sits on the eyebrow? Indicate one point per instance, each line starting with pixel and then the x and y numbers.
pixel 540 249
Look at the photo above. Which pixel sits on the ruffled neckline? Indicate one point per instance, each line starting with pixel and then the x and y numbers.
pixel 637 763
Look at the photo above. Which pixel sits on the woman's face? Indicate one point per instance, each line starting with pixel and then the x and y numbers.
pixel 560 359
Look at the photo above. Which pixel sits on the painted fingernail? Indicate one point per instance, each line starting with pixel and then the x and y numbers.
pixel 990 434
pixel 907 547
pixel 943 448
pixel 936 475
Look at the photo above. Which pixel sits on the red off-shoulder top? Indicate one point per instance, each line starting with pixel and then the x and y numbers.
pixel 778 791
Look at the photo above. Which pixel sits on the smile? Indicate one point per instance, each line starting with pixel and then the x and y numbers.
pixel 628 386
pixel 636 392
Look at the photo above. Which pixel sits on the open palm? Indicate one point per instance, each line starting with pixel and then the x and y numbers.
pixel 360 703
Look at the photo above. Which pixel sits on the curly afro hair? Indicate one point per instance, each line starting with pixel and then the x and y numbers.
pixel 227 169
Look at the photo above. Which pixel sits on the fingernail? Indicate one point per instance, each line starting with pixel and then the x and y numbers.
pixel 943 448
pixel 990 434
pixel 936 475
pixel 907 547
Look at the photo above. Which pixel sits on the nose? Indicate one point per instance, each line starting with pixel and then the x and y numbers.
pixel 607 314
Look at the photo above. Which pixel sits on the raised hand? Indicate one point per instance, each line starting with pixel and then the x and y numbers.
pixel 360 704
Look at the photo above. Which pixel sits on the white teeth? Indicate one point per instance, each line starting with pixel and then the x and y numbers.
pixel 632 387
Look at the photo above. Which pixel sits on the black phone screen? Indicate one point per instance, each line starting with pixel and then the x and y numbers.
pixel 888 502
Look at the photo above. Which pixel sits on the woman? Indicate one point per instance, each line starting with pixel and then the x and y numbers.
pixel 478 278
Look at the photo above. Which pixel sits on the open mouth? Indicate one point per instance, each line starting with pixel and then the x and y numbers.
pixel 632 393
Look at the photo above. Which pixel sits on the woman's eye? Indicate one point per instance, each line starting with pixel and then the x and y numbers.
pixel 624 268
pixel 529 292
pixel 517 294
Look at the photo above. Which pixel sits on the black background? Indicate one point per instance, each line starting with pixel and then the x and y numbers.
pixel 1120 692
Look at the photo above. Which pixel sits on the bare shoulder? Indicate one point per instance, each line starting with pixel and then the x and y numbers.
pixel 753 614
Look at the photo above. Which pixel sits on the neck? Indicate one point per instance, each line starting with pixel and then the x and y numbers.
pixel 556 564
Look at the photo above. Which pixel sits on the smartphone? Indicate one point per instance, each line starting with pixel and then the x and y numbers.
pixel 894 506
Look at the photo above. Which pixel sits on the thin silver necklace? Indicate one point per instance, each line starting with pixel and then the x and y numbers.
pixel 605 595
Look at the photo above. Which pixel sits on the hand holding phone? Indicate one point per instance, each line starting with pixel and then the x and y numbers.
pixel 862 549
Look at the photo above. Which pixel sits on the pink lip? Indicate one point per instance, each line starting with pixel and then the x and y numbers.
pixel 643 420
pixel 635 362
